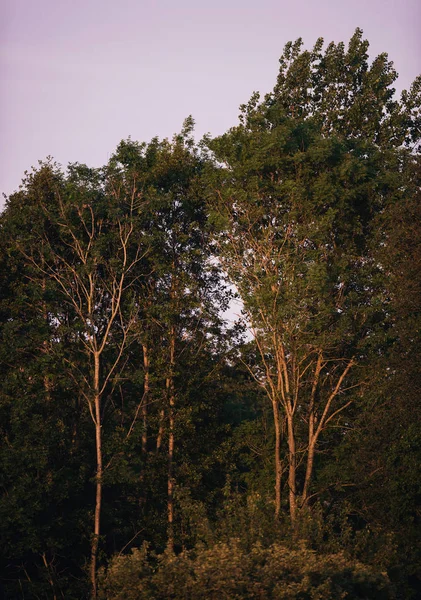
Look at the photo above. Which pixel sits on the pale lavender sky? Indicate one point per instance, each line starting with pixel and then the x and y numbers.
pixel 77 76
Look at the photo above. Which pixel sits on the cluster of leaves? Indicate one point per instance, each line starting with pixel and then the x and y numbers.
pixel 225 570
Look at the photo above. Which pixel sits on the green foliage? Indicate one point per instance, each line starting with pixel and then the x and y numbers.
pixel 310 206
pixel 296 196
pixel 225 570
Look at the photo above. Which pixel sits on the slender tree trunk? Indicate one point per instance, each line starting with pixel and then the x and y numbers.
pixel 312 434
pixel 145 402
pixel 310 452
pixel 171 402
pixel 99 473
pixel 312 439
pixel 46 380
pixel 160 430
pixel 278 465
pixel 309 470
pixel 314 429
pixel 292 469
pixel 146 388
pixel 45 344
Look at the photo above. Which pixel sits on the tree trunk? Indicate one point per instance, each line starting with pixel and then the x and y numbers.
pixel 146 388
pixel 171 401
pixel 45 344
pixel 312 434
pixel 160 430
pixel 292 463
pixel 99 473
pixel 309 469
pixel 145 402
pixel 278 465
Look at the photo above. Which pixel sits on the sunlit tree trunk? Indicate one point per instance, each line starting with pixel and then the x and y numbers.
pixel 292 469
pixel 320 416
pixel 311 429
pixel 160 435
pixel 145 400
pixel 278 462
pixel 99 474
pixel 171 439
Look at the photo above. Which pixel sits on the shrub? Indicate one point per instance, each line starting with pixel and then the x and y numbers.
pixel 225 570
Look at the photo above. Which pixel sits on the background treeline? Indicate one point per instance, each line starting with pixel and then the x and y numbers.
pixel 151 450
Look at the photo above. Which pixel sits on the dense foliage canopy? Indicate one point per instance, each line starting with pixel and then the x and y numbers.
pixel 150 449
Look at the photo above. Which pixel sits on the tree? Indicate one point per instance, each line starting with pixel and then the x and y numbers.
pixel 380 460
pixel 90 249
pixel 185 289
pixel 299 182
pixel 45 457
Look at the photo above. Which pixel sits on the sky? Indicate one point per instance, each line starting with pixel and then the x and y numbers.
pixel 77 76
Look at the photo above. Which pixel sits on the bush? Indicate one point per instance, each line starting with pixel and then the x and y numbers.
pixel 225 570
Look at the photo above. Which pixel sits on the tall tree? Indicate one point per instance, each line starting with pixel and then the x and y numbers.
pixel 380 461
pixel 185 290
pixel 300 181
pixel 91 251
pixel 45 458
